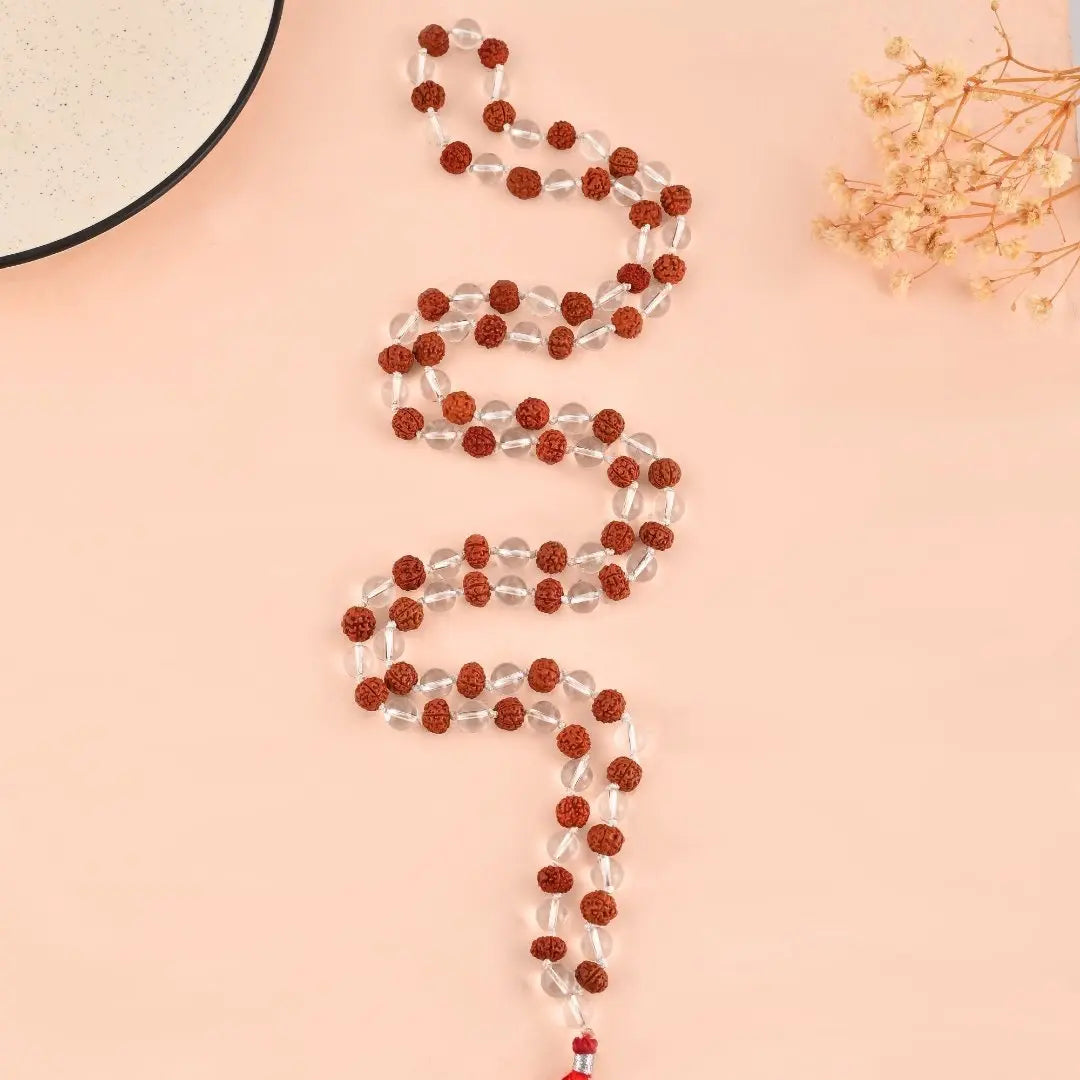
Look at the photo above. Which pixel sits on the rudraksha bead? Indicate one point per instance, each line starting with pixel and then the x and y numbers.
pixel 576 307
pixel 572 812
pixel 492 51
pixel 596 183
pixel 358 623
pixel 548 596
pixel 664 473
pixel 548 947
pixel 598 907
pixel 544 675
pixel 635 275
pixel 497 114
pixel 622 161
pixel 471 680
pixel 478 442
pixel 456 157
pixel 669 269
pixel 627 322
pixel 459 407
pixel 675 199
pixel 435 39
pixel 605 839
pixel 551 557
pixel 591 977
pixel 555 879
pixel 477 588
pixel 436 716
pixel 504 297
pixel 656 535
pixel 490 331
pixel 428 95
pixel 560 343
pixel 608 425
pixel 623 471
pixel 619 536
pixel 523 183
pixel 400 677
pixel 561 135
pixel 408 573
pixel 573 741
pixel 532 414
pixel 608 706
pixel 370 693
pixel 395 359
pixel 625 773
pixel 432 304
pixel 614 582
pixel 551 446
pixel 429 348
pixel 406 613
pixel 407 423
pixel 646 212
pixel 509 714
pixel 476 551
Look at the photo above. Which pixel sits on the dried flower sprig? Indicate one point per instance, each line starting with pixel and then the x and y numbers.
pixel 972 162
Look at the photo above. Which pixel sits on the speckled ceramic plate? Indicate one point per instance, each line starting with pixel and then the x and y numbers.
pixel 105 104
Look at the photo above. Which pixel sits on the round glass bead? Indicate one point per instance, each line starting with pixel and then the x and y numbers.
pixel 440 434
pixel 454 328
pixel 630 736
pixel 628 503
pixel 506 678
pixel 551 914
pixel 439 594
pixel 543 300
pixel 543 716
pixel 395 391
pixel 359 661
pixel 525 133
pixel 579 685
pixel 526 336
pixel 583 597
pixel 559 184
pixel 594 333
pixel 669 506
pixel 516 442
pixel 588 452
pixel 655 301
pixel 677 234
pixel 445 561
pixel 595 145
pixel 389 643
pixel 472 717
pixel 597 942
pixel 607 874
pixel 378 592
pixel 572 419
pixel 640 245
pixel 421 67
pixel 466 34
pixel 495 414
pixel 435 133
pixel 513 551
pixel 590 557
pixel 627 190
pixel 577 1010
pixel 610 295
pixel 640 446
pixel 563 845
pixel 654 175
pixel 577 775
pixel 556 980
pixel 435 682
pixel 642 563
pixel 405 327
pixel 400 713
pixel 511 590
pixel 498 83
pixel 467 296
pixel 612 804
pixel 434 384
pixel 488 167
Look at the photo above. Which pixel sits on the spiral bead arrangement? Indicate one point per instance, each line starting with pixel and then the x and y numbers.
pixel 623 554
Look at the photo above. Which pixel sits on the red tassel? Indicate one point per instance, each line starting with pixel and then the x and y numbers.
pixel 576 1076
pixel 585 1044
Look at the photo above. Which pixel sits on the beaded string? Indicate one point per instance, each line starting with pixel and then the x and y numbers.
pixel 394 606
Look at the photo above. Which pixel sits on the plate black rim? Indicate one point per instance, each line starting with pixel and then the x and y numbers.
pixel 170 181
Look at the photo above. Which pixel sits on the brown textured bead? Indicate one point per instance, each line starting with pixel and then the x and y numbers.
pixel 555 879
pixel 477 588
pixel 625 773
pixel 572 812
pixel 551 446
pixel 675 199
pixel 605 839
pixel 509 714
pixel 560 343
pixel 614 582
pixel 544 675
pixel 436 716
pixel 435 39
pixel 408 573
pixel 548 596
pixel 548 947
pixel 504 297
pixel 370 693
pixel 664 472
pixel 656 535
pixel 432 304
pixel 573 741
pixel 596 183
pixel 669 269
pixel 456 157
pixel 576 307
pixel 532 414
pixel 608 706
pixel 492 51
pixel 429 348
pixel 407 423
pixel 627 322
pixel 497 114
pixel 551 557
pixel 477 552
pixel 598 907
pixel 490 331
pixel 406 613
pixel 523 183
pixel 622 161
pixel 591 977
pixel 400 677
pixel 635 275
pixel 428 95
pixel 471 680
pixel 619 536
pixel 646 212
pixel 358 623
pixel 459 407
pixel 561 135
pixel 608 425
pixel 623 471
pixel 395 359
pixel 478 442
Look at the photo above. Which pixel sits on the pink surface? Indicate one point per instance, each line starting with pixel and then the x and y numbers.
pixel 856 853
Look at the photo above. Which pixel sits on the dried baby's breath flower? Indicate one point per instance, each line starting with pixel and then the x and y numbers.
pixel 982 288
pixel 945 78
pixel 897 48
pixel 1057 170
pixel 879 104
pixel 1040 307
pixel 900 282
pixel 1014 248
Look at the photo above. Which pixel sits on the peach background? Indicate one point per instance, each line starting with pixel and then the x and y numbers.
pixel 856 855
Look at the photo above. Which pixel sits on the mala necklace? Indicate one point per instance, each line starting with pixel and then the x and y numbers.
pixel 624 555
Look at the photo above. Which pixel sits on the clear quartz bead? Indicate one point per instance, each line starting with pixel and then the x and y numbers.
pixel 543 716
pixel 563 845
pixel 439 594
pixel 654 175
pixel 631 736
pixel 640 446
pixel 543 300
pixel 378 592
pixel 472 717
pixel 577 1010
pixel 596 942
pixel 583 597
pixel 516 442
pixel 551 914
pixel 526 336
pixel 612 804
pixel 627 503
pixel 440 435
pixel 556 980
pixel 607 874
pixel 610 295
pixel 572 419
pixel 588 452
pixel 405 327
pixel 467 296
pixel 593 333
pixel 627 190
pixel 395 391
pixel 421 67
pixel 359 661
pixel 641 563
pixel 435 682
pixel 454 327
pixel 639 245
pixel 506 678
pixel 434 384
pixel 525 133
pixel 590 557
pixel 677 234
pixel 436 133
pixel 669 506
pixel 496 414
pixel 595 145
pixel 579 685
pixel 445 561
pixel 498 83
pixel 389 643
pixel 511 590
pixel 400 713
pixel 513 551
pixel 655 301
pixel 559 183
pixel 466 34
pixel 488 167
pixel 577 774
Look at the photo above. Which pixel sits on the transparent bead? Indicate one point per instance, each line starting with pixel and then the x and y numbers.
pixel 498 83
pixel 640 446
pixel 677 234
pixel 654 175
pixel 389 643
pixel 577 1010
pixel 588 452
pixel 595 145
pixel 577 774
pixel 526 336
pixel 506 678
pixel 495 414
pixel 580 685
pixel 590 557
pixel 639 245
pixel 610 295
pixel 439 594
pixel 669 506
pixel 513 551
pixel 612 804
pixel 607 874
pixel 435 682
pixel 551 914
pixel 563 845
pixel 434 384
pixel 467 296
pixel 436 133
pixel 583 597
pixel 445 561
pixel 655 301
pixel 594 333
pixel 631 737
pixel 511 590
pixel 488 167
pixel 556 980
pixel 516 442
pixel 627 503
pixel 572 419
pixel 642 563
pixel 466 34
pixel 378 592
pixel 543 300
pixel 359 661
pixel 440 435
pixel 559 183
pixel 596 942
pixel 454 328
pixel 400 713
pixel 405 327
pixel 421 67
pixel 525 133
pixel 627 190
pixel 543 716
pixel 395 391
pixel 472 718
